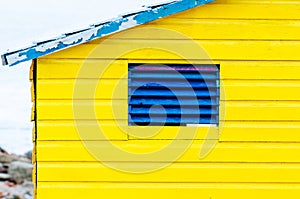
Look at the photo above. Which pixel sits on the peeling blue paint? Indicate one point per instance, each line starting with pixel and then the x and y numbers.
pixel 97 31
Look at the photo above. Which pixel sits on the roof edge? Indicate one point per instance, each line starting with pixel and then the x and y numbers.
pixel 96 31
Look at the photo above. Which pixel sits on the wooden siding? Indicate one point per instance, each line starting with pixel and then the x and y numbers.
pixel 168 190
pixel 256 43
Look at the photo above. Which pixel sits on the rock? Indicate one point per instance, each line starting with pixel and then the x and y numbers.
pixel 3 194
pixel 2 169
pixel 5 158
pixel 28 185
pixel 15 176
pixel 3 151
pixel 3 190
pixel 20 171
pixel 28 155
pixel 24 191
pixel 8 158
pixel 4 176
pixel 10 184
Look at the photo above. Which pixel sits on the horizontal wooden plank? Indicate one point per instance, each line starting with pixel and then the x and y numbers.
pixel 118 109
pixel 229 131
pixel 82 89
pixel 260 90
pixel 219 29
pixel 193 49
pixel 177 172
pixel 82 110
pixel 69 68
pixel 68 130
pixel 173 132
pixel 56 69
pixel 260 110
pixel 56 151
pixel 118 89
pixel 49 190
pixel 260 131
pixel 244 10
pixel 117 130
pixel 259 70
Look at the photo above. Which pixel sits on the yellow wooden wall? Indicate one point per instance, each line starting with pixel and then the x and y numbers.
pixel 256 43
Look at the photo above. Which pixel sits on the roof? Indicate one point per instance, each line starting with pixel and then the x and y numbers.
pixel 144 15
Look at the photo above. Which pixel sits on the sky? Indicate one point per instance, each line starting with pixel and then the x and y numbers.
pixel 21 24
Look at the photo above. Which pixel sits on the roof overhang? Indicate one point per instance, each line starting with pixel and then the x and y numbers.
pixel 95 31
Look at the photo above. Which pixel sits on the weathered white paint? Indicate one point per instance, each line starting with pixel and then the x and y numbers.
pixel 128 24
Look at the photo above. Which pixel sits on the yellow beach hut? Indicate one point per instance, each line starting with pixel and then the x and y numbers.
pixel 176 100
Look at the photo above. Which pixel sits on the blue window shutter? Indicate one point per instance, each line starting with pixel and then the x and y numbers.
pixel 173 95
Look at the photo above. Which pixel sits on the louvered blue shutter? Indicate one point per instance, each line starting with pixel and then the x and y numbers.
pixel 173 95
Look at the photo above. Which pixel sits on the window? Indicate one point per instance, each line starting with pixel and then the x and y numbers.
pixel 173 95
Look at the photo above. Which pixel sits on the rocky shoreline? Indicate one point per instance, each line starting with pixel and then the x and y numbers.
pixel 15 176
